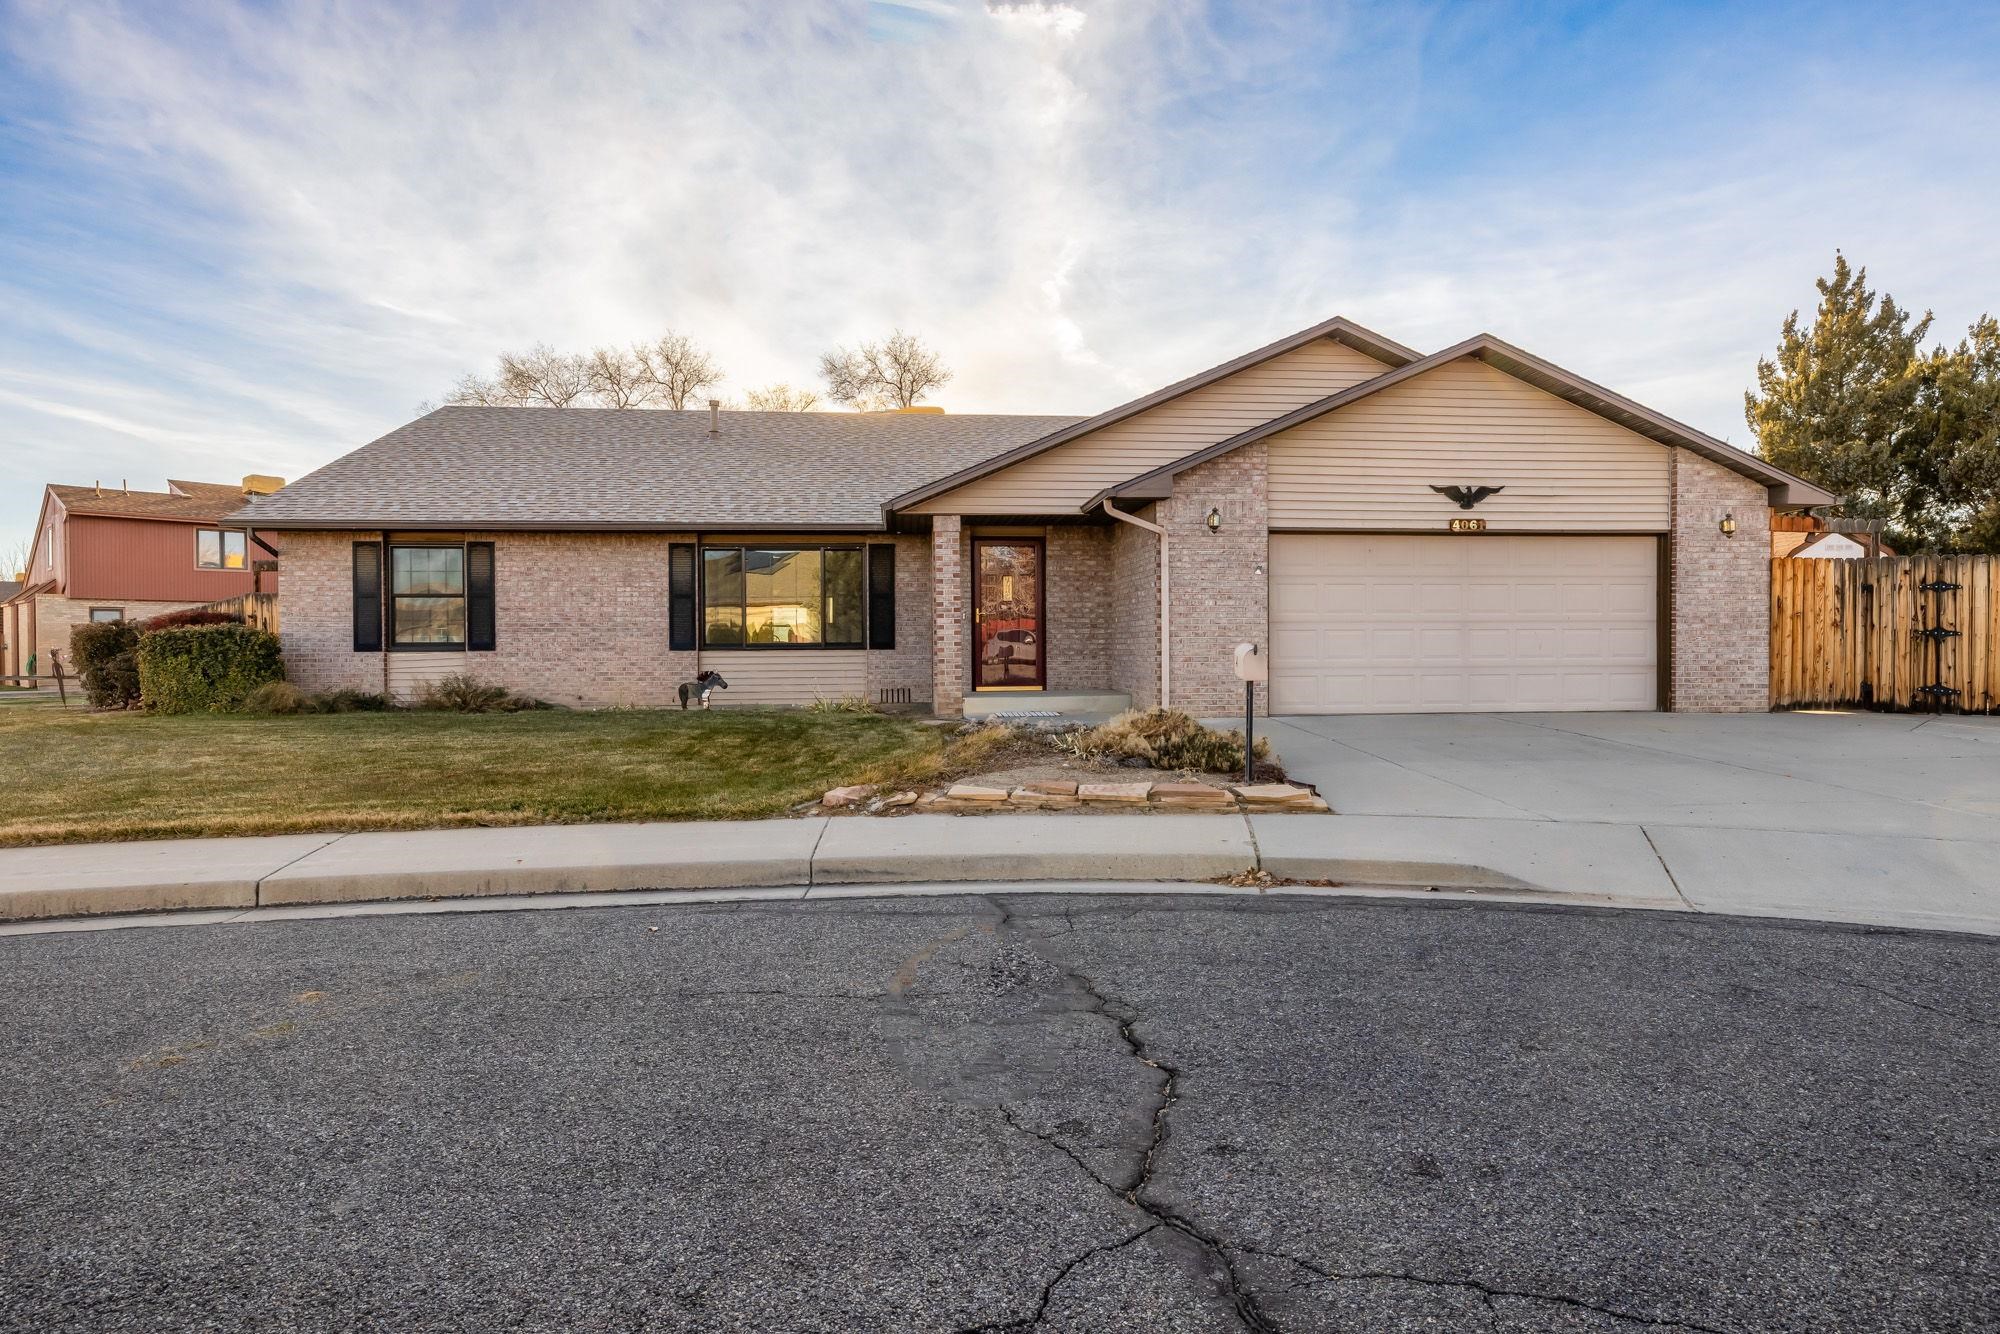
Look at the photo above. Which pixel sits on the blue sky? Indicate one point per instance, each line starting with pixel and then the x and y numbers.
pixel 249 238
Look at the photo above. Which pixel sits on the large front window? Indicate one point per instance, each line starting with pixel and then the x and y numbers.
pixel 427 588
pixel 779 596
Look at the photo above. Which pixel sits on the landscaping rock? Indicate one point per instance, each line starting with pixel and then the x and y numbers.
pixel 1280 795
pixel 1051 788
pixel 1115 794
pixel 1199 795
pixel 848 796
pixel 971 792
pixel 899 799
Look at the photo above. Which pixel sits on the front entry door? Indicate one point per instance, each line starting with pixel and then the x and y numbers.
pixel 1009 648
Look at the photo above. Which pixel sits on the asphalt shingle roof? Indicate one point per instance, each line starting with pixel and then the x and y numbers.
pixel 207 500
pixel 600 467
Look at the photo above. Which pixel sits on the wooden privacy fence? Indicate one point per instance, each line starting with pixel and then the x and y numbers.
pixel 258 609
pixel 1910 632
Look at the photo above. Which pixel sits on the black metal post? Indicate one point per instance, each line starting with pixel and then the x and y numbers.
pixel 1249 731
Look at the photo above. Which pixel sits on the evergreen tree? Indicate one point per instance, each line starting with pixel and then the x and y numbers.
pixel 1839 404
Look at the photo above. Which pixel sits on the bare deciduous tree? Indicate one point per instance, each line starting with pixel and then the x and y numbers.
pixel 539 377
pixel 671 370
pixel 14 556
pixel 619 379
pixel 679 367
pixel 894 373
pixel 780 398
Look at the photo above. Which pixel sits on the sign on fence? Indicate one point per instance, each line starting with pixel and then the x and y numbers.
pixel 1911 632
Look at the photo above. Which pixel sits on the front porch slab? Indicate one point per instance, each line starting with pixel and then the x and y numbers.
pixel 1063 703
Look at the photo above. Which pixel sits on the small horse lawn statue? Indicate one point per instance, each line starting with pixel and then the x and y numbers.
pixel 701 687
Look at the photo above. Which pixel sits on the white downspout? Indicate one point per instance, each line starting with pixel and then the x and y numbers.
pixel 1166 635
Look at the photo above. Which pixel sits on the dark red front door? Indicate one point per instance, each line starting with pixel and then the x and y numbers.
pixel 1008 644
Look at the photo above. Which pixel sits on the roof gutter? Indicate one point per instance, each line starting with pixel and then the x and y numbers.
pixel 1166 627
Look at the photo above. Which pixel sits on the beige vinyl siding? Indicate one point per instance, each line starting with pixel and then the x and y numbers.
pixel 1371 465
pixel 1059 480
pixel 409 673
pixel 787 676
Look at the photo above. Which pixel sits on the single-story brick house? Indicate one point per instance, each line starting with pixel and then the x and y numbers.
pixel 1471 530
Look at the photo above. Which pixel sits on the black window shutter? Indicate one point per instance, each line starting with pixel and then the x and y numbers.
pixel 882 595
pixel 479 597
pixel 680 597
pixel 367 597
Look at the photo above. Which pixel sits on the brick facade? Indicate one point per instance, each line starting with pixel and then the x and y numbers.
pixel 1719 595
pixel 1220 584
pixel 1078 592
pixel 581 620
pixel 949 612
pixel 1135 613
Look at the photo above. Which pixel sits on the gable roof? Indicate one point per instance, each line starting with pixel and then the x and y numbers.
pixel 1339 328
pixel 191 502
pixel 1786 488
pixel 638 469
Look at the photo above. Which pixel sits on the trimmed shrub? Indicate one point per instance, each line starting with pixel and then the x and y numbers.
pixel 105 655
pixel 169 620
pixel 279 697
pixel 205 668
pixel 1166 739
pixel 462 692
pixel 349 700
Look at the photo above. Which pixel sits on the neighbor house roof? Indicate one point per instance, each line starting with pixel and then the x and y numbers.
pixel 1339 328
pixel 189 502
pixel 8 588
pixel 1786 488
pixel 636 469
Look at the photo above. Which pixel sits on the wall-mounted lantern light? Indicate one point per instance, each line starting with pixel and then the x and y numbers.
pixel 1728 525
pixel 1214 519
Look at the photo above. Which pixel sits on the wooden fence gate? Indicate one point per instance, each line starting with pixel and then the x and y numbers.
pixel 1910 632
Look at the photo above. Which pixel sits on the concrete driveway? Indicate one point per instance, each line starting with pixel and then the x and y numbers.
pixel 1795 812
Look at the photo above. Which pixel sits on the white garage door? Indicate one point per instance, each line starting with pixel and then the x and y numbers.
pixel 1446 624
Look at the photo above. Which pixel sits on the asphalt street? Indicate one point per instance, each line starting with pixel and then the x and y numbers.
pixel 993 1112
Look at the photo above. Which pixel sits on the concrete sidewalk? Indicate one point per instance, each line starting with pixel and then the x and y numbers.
pixel 1921 882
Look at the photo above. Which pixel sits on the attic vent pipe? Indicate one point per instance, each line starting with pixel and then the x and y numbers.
pixel 715 416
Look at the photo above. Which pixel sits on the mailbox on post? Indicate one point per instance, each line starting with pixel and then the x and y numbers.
pixel 1251 667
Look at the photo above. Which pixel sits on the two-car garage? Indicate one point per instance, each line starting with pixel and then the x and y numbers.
pixel 1448 623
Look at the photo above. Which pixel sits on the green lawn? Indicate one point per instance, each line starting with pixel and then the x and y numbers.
pixel 72 776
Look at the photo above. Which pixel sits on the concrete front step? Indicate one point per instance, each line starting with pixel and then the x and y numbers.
pixel 1092 703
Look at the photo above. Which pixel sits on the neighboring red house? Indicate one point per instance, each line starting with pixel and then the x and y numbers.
pixel 104 554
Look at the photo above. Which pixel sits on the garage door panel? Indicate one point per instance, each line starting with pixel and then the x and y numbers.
pixel 1413 623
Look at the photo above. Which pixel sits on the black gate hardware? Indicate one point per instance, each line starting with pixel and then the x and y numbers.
pixel 1937 632
pixel 1936 692
pixel 1940 586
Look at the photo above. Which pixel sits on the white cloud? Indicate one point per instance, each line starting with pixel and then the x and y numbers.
pixel 350 206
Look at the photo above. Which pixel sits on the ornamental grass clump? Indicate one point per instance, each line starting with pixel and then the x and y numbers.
pixel 462 692
pixel 1165 739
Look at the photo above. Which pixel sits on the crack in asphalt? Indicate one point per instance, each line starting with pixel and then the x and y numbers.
pixel 1134 1190
pixel 1487 1292
pixel 1886 994
pixel 1049 1288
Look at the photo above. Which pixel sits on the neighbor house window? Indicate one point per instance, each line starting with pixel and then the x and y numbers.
pixel 218 549
pixel 807 597
pixel 427 597
pixel 103 614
